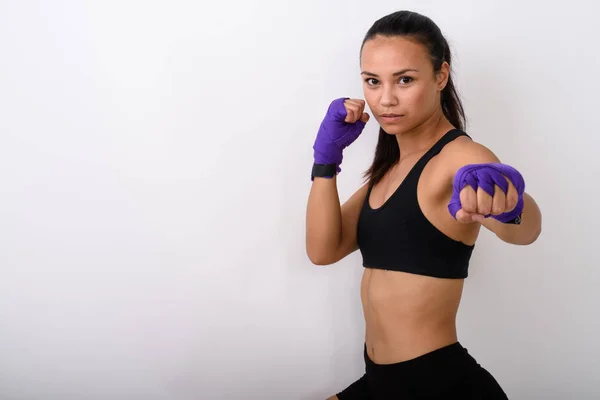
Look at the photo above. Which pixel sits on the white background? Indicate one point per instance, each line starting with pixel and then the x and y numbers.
pixel 154 165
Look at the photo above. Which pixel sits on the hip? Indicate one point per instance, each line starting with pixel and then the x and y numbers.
pixel 449 372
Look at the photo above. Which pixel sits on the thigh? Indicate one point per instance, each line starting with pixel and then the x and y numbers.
pixel 356 391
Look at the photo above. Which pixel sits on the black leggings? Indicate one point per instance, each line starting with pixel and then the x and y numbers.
pixel 446 373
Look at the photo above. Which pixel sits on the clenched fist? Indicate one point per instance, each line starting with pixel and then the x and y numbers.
pixel 487 190
pixel 343 123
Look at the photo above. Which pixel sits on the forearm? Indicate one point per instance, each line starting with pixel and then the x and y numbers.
pixel 323 220
pixel 523 234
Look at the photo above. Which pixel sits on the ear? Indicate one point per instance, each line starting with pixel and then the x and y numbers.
pixel 442 76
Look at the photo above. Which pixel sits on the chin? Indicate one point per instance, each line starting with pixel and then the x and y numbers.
pixel 392 132
pixel 400 127
pixel 393 129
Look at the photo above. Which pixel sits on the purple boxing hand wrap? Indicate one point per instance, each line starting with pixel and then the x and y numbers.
pixel 486 176
pixel 335 135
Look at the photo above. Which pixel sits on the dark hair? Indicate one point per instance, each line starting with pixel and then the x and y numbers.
pixel 422 29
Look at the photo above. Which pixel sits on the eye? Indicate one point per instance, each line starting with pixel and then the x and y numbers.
pixel 371 81
pixel 406 80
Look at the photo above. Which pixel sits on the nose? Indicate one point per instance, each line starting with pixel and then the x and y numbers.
pixel 388 97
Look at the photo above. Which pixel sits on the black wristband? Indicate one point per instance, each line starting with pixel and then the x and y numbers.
pixel 515 221
pixel 323 171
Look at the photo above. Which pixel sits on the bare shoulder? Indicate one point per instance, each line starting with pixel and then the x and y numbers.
pixel 462 151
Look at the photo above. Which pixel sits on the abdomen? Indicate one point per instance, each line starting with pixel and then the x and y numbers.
pixel 408 315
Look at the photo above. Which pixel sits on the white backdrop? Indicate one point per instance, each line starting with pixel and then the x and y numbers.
pixel 154 166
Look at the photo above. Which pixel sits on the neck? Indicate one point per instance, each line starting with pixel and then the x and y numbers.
pixel 424 135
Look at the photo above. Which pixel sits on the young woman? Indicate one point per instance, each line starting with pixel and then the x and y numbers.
pixel 416 219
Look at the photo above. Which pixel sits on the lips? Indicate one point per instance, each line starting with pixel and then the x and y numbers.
pixel 391 118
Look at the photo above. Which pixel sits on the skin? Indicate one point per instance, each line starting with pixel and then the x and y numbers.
pixel 408 315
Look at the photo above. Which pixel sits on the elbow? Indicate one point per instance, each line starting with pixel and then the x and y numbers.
pixel 536 232
pixel 318 259
pixel 525 241
pixel 535 219
pixel 319 256
pixel 534 237
pixel 322 252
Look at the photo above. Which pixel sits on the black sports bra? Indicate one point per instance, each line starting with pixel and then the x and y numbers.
pixel 397 236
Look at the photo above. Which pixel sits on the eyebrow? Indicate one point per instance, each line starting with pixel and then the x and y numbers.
pixel 395 73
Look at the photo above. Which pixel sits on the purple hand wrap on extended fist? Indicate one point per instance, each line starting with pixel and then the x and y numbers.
pixel 335 135
pixel 486 176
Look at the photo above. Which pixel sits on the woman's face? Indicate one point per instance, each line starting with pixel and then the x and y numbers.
pixel 399 83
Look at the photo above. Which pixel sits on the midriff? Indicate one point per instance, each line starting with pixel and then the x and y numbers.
pixel 408 315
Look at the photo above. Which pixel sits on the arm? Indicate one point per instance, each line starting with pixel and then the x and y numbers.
pixel 331 228
pixel 527 232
